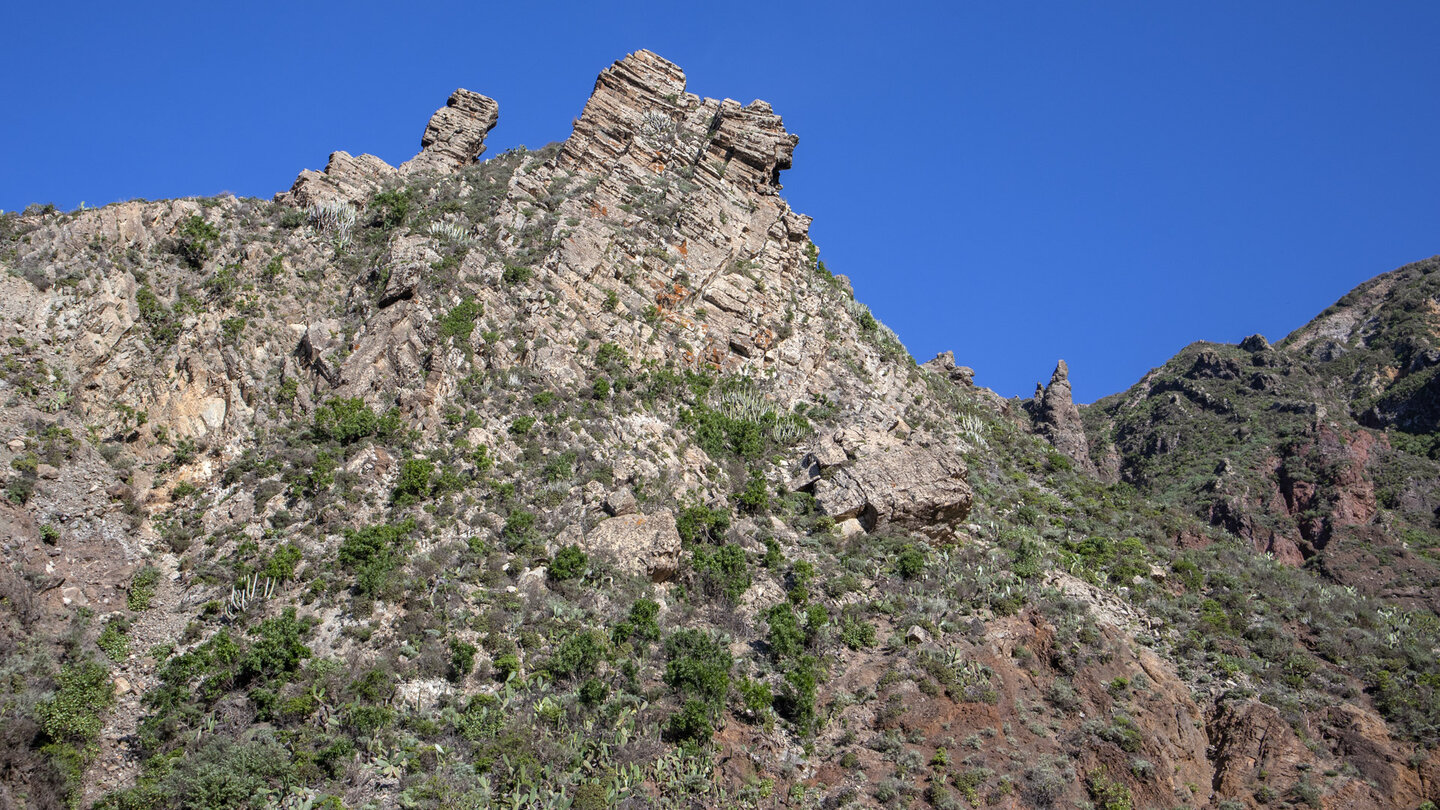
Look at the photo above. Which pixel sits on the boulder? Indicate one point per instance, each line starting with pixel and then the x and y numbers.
pixel 891 481
pixel 637 544
pixel 619 503
pixel 346 177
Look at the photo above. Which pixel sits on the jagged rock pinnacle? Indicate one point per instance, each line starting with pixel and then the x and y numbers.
pixel 1058 420
pixel 639 103
pixel 454 137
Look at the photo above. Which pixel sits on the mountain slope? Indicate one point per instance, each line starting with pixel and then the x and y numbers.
pixel 575 478
pixel 1319 450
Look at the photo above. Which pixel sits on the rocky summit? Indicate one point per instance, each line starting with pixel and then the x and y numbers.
pixel 575 478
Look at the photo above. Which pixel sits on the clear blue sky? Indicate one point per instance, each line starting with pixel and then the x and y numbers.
pixel 1016 181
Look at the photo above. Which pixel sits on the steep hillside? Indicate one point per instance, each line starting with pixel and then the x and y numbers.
pixel 574 478
pixel 1320 450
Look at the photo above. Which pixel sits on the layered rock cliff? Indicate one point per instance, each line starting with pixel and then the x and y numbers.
pixel 575 477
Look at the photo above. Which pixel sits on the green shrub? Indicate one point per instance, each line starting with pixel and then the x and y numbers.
pixel 910 563
pixel 515 274
pixel 194 239
pixel 505 666
pixel 593 692
pixel 577 655
pixel 640 624
pixel 519 529
pixel 281 564
pixel 691 725
pixel 785 638
pixel 755 696
pixel 1107 793
pixel 570 562
pixel 460 321
pixel 698 522
pixel 348 420
pixel 142 588
pixel 480 457
pixel 723 569
pixel 414 481
pixel 277 650
pixel 755 497
pixel 522 425
pixel 698 666
pixel 611 357
pixel 225 775
pixel 163 325
pixel 796 701
pixel 112 640
pixel 372 553
pixel 462 659
pixel 83 692
pixel 856 633
pixel 231 329
pixel 366 718
pixel 390 208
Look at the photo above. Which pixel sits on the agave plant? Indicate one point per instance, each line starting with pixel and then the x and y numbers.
pixel 452 232
pixel 335 217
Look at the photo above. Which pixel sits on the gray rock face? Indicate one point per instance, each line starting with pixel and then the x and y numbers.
pixel 346 177
pixel 880 479
pixel 619 503
pixel 407 262
pixel 1058 420
pixel 1255 343
pixel 455 135
pixel 638 544
pixel 944 363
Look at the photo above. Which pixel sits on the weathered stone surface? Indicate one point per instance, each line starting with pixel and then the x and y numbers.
pixel 619 503
pixel 1255 343
pixel 638 544
pixel 455 135
pixel 754 136
pixel 1058 420
pixel 346 177
pixel 944 363
pixel 892 481
pixel 409 258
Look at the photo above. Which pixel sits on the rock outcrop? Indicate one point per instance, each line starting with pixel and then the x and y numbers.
pixel 647 545
pixel 1056 417
pixel 944 364
pixel 640 104
pixel 455 135
pixel 879 480
pixel 583 346
pixel 453 138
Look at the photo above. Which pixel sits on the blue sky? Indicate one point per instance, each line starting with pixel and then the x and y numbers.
pixel 1017 181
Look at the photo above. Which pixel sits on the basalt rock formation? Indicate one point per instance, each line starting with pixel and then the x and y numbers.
pixel 1058 420
pixel 574 476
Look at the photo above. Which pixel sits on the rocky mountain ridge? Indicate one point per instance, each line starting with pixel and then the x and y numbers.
pixel 574 478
